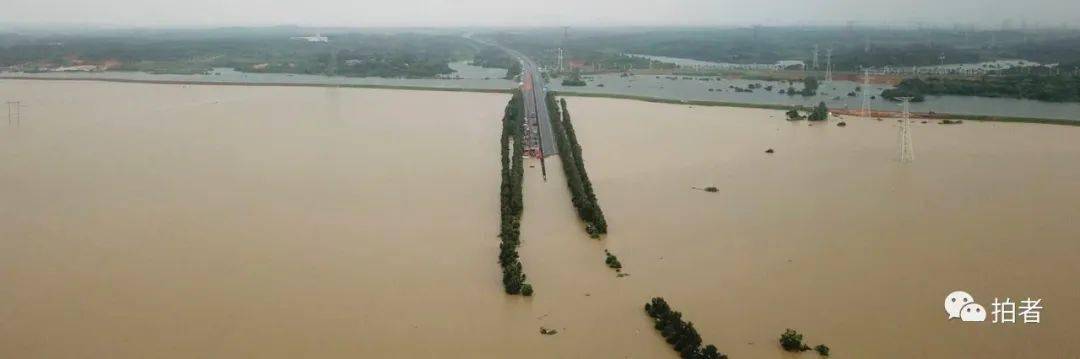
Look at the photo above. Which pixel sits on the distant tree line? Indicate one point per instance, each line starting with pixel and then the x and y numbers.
pixel 577 179
pixel 511 203
pixel 681 335
pixel 250 50
pixel 1035 85
pixel 853 48
pixel 494 57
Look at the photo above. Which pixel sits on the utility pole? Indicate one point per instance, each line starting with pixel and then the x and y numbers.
pixel 14 113
pixel 562 49
pixel 828 65
pixel 907 153
pixel 866 94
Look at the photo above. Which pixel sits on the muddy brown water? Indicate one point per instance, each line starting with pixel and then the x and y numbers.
pixel 143 220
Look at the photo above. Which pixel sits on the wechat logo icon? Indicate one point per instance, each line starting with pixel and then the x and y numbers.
pixel 960 304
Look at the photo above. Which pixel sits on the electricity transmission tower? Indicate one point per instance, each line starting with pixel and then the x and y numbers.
pixel 562 49
pixel 815 56
pixel 828 65
pixel 907 153
pixel 14 114
pixel 866 94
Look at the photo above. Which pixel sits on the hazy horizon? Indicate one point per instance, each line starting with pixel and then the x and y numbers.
pixel 993 14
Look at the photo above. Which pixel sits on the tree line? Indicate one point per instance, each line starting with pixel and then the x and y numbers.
pixel 494 57
pixel 1038 84
pixel 512 152
pixel 680 334
pixel 818 113
pixel 262 50
pixel 577 179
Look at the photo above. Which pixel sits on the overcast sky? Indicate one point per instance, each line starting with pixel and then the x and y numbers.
pixel 369 13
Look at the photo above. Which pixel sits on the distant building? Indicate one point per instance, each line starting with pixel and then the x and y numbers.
pixel 353 62
pixel 575 64
pixel 316 38
pixel 790 65
pixel 76 68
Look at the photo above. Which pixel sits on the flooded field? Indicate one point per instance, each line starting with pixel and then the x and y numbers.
pixel 465 76
pixel 835 94
pixel 202 221
pixel 141 220
pixel 831 236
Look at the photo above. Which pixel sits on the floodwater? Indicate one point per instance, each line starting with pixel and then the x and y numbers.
pixel 831 236
pixel 835 94
pixel 141 220
pixel 144 220
pixel 465 76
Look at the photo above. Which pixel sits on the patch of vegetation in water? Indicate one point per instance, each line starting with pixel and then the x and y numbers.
pixel 681 335
pixel 820 113
pixel 577 179
pixel 512 145
pixel 612 261
pixel 792 341
pixel 1041 83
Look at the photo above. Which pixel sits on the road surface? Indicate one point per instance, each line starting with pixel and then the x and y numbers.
pixel 534 90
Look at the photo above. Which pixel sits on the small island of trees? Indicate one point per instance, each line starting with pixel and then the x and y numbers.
pixel 681 335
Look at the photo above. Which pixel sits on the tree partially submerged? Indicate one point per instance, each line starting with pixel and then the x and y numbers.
pixel 791 341
pixel 793 115
pixel 612 261
pixel 577 179
pixel 512 147
pixel 682 336
pixel 820 113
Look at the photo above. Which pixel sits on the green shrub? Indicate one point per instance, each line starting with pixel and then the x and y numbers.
pixel 820 113
pixel 822 349
pixel 793 115
pixel 612 261
pixel 792 341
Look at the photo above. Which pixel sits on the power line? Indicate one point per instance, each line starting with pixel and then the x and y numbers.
pixel 866 94
pixel 828 65
pixel 14 113
pixel 907 152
